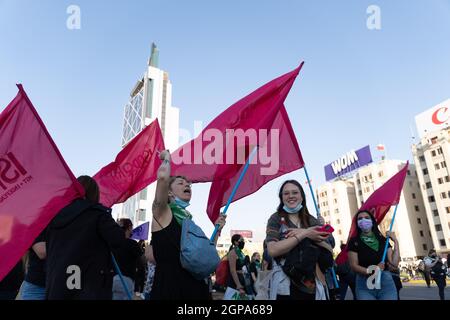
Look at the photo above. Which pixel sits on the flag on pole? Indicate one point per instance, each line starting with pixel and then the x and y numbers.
pixel 35 181
pixel 134 168
pixel 379 202
pixel 220 152
pixel 380 147
pixel 289 158
pixel 141 232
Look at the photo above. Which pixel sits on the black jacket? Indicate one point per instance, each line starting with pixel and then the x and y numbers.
pixel 82 234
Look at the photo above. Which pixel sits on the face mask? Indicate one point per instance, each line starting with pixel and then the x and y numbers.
pixel 365 224
pixel 293 210
pixel 181 203
pixel 241 245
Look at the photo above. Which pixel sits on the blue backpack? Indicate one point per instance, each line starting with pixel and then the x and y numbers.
pixel 198 254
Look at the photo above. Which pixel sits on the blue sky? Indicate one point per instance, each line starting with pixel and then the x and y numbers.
pixel 358 86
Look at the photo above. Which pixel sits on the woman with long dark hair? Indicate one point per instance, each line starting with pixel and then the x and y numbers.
pixel 365 251
pixel 286 229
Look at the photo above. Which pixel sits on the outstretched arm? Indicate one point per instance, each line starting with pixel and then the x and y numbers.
pixel 160 206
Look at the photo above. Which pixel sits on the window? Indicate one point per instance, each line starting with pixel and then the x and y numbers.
pixel 447 209
pixel 421 233
pixel 428 185
pixel 425 171
pixel 358 181
pixel 338 221
pixel 360 192
pixel 416 208
pixel 422 158
pixel 425 247
pixel 413 195
pixel 409 172
pixel 448 194
pixel 419 221
pixel 435 213
pixel 433 153
pixel 439 150
pixel 436 166
pixel 443 195
pixel 434 141
pixel 380 174
pixel 335 201
pixel 336 211
pixel 447 179
pixel 431 199
pixel 142 213
pixel 340 232
pixel 438 227
pixel 442 242
pixel 443 164
pixel 440 181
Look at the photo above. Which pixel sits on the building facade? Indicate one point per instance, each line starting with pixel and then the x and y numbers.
pixel 150 98
pixel 432 155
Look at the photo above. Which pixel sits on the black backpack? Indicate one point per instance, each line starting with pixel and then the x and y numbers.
pixel 438 270
pixel 300 263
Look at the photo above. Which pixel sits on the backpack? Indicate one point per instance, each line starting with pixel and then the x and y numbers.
pixel 198 254
pixel 222 272
pixel 301 261
pixel 438 270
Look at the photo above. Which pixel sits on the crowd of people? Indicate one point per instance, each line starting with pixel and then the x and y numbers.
pixel 85 254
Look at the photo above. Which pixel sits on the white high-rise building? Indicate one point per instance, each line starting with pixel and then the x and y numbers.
pixel 151 98
pixel 432 155
pixel 340 199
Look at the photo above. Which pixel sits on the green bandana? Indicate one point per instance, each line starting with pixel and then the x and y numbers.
pixel 371 241
pixel 240 255
pixel 179 213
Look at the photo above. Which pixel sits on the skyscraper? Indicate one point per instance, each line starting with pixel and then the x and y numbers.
pixel 150 98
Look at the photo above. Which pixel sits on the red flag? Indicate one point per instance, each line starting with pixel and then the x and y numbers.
pixel 219 153
pixel 204 159
pixel 35 181
pixel 380 201
pixel 290 159
pixel 134 168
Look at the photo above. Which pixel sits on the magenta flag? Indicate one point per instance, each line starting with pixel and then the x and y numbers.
pixel 220 152
pixel 35 181
pixel 134 168
pixel 379 202
pixel 289 159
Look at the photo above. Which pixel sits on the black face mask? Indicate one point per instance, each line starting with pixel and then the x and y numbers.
pixel 241 245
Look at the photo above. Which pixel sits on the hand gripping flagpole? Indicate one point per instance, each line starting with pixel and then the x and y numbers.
pixel 116 266
pixel 386 246
pixel 336 284
pixel 233 193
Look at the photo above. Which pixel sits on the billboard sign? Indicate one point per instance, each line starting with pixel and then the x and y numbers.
pixel 433 119
pixel 348 162
pixel 244 233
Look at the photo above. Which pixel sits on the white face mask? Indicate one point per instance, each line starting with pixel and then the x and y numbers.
pixel 293 210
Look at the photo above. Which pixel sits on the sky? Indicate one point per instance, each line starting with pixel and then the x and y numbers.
pixel 357 87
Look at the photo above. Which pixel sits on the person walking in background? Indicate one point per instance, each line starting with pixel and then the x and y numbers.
pixel 255 267
pixel 127 257
pixel 438 272
pixel 141 269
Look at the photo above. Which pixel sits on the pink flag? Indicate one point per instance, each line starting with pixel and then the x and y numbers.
pixel 35 181
pixel 289 159
pixel 379 202
pixel 134 168
pixel 220 152
pixel 207 157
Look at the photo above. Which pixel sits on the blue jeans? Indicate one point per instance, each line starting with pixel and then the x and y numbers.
pixel 388 290
pixel 30 291
pixel 118 290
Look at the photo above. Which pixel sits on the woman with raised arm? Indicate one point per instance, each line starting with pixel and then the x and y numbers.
pixel 172 197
